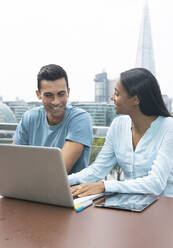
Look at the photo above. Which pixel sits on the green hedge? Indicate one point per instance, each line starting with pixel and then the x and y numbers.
pixel 97 144
pixel 96 147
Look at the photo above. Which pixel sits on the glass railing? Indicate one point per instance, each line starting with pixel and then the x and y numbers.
pixel 6 132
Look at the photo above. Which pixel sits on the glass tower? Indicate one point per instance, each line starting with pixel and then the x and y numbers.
pixel 145 54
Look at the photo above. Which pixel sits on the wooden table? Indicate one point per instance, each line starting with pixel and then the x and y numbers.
pixel 25 224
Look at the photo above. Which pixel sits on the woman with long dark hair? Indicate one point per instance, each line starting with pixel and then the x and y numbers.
pixel 140 140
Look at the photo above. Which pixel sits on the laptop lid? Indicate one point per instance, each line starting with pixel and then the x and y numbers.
pixel 34 173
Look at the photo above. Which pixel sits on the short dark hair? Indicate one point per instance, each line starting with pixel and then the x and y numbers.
pixel 51 72
pixel 142 83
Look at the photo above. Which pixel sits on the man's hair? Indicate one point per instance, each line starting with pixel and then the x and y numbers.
pixel 142 83
pixel 51 72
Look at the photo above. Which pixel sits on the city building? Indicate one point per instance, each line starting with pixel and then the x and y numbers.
pixel 18 107
pixel 101 87
pixel 111 89
pixel 145 51
pixel 104 87
pixel 34 104
pixel 102 113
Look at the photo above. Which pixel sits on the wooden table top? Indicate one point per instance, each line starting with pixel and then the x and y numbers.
pixel 25 224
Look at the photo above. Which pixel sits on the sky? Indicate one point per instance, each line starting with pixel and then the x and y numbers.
pixel 84 37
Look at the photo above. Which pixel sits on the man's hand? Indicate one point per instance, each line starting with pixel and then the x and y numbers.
pixel 85 189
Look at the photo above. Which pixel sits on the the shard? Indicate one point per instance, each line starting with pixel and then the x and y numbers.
pixel 145 53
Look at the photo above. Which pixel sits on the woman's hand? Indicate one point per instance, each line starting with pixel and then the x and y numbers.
pixel 85 189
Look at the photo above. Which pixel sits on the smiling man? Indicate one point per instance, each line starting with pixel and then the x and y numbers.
pixel 57 124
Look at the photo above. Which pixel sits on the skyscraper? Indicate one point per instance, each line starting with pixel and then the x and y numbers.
pixel 144 58
pixel 101 87
pixel 145 53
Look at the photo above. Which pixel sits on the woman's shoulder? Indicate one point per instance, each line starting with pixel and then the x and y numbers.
pixel 121 120
pixel 167 122
pixel 121 124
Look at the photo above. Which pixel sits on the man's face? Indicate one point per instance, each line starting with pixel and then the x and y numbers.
pixel 54 95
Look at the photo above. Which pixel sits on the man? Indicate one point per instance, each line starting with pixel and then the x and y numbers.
pixel 56 124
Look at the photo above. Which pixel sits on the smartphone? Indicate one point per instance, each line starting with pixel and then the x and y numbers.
pixel 132 202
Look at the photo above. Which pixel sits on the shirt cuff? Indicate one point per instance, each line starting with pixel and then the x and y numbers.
pixel 111 186
pixel 73 179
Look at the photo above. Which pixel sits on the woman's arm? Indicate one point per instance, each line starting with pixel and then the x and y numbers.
pixel 103 164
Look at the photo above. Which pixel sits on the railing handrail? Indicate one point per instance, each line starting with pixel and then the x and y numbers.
pixel 8 126
pixel 7 130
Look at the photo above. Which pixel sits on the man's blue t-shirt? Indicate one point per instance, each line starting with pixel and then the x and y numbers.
pixel 76 126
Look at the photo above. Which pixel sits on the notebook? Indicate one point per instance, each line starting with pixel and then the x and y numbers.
pixel 35 174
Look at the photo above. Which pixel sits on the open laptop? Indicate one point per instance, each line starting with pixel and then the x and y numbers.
pixel 34 173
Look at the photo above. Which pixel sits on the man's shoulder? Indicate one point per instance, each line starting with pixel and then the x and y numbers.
pixel 76 111
pixel 34 112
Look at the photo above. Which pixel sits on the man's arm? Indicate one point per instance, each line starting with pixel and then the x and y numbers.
pixel 71 151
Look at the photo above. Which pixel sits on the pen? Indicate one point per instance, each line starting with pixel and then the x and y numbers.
pixel 79 207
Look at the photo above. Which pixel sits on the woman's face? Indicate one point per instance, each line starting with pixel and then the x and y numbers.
pixel 124 104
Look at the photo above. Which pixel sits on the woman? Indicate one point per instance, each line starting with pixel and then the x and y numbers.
pixel 140 141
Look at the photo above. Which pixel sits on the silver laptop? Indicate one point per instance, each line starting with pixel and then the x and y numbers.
pixel 34 173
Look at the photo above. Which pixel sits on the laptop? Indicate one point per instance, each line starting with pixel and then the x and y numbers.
pixel 35 174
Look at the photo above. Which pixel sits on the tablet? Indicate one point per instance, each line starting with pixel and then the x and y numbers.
pixel 132 202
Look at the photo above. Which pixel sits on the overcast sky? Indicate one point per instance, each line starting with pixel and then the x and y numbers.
pixel 85 37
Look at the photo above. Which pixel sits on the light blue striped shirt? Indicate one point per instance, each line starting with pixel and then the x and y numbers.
pixel 148 169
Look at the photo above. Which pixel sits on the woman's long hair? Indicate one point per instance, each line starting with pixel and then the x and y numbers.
pixel 142 83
